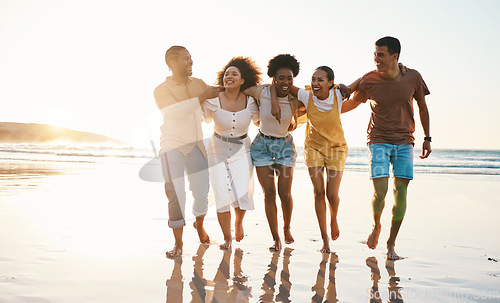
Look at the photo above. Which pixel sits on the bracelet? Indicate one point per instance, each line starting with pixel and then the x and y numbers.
pixel 428 139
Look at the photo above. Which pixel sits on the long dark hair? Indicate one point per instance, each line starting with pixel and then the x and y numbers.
pixel 329 73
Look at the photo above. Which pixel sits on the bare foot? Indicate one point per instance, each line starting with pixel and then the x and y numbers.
pixel 288 236
pixel 335 229
pixel 226 245
pixel 372 240
pixel 325 249
pixel 276 246
pixel 391 253
pixel 202 234
pixel 175 252
pixel 288 252
pixel 239 234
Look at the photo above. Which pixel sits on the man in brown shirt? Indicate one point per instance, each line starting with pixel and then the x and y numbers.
pixel 390 131
pixel 179 99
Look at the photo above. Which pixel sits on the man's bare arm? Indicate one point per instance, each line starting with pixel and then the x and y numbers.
pixel 352 103
pixel 426 125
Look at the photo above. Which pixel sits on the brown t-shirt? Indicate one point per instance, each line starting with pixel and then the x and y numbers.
pixel 391 102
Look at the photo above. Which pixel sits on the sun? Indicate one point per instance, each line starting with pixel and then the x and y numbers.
pixel 59 113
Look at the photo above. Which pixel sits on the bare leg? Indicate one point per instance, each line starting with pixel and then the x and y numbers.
pixel 316 174
pixel 175 284
pixel 265 174
pixel 238 224
pixel 319 286
pixel 225 225
pixel 198 283
pixel 375 277
pixel 331 289
pixel 269 281
pixel 285 178
pixel 177 250
pixel 378 201
pixel 332 193
pixel 202 234
pixel 394 289
pixel 398 213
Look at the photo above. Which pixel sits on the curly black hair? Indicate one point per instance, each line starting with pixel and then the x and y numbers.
pixel 249 70
pixel 280 61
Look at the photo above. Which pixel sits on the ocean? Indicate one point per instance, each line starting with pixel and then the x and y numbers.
pixel 441 161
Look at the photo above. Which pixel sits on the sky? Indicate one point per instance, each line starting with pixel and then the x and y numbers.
pixel 93 65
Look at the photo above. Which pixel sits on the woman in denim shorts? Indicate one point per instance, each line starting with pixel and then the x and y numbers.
pixel 273 151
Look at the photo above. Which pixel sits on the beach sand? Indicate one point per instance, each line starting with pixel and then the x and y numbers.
pixel 98 233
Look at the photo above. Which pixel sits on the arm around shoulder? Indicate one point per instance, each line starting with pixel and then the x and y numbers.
pixel 353 102
pixel 255 91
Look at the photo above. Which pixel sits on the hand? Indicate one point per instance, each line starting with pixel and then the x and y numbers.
pixel 276 111
pixel 426 149
pixel 211 92
pixel 344 90
pixel 402 68
pixel 275 107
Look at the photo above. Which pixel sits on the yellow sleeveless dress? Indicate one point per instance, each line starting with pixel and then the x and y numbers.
pixel 325 144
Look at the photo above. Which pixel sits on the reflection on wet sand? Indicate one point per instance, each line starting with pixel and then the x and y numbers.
pixel 175 284
pixel 269 281
pixel 222 288
pixel 319 287
pixel 394 289
pixel 16 176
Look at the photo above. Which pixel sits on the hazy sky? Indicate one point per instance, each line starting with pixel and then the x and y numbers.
pixel 93 65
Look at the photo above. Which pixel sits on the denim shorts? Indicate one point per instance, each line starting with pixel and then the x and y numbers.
pixel 382 155
pixel 266 151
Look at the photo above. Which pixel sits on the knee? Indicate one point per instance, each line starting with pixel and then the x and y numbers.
pixel 319 193
pixel 400 190
pixel 285 196
pixel 333 198
pixel 269 193
pixel 379 195
pixel 170 191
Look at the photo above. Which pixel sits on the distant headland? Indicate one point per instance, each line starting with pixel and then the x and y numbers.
pixel 13 132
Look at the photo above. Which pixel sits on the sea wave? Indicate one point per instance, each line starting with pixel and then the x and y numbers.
pixel 116 151
pixel 481 162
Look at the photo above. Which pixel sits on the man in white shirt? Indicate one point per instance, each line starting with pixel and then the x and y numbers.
pixel 182 150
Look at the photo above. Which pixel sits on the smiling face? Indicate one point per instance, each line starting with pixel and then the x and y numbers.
pixel 320 84
pixel 183 64
pixel 232 78
pixel 383 60
pixel 283 80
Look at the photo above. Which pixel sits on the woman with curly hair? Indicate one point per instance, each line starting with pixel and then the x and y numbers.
pixel 273 151
pixel 230 164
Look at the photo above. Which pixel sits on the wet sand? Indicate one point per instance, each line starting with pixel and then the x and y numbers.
pixel 98 233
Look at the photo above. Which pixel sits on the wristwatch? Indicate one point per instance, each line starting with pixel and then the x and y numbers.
pixel 428 139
